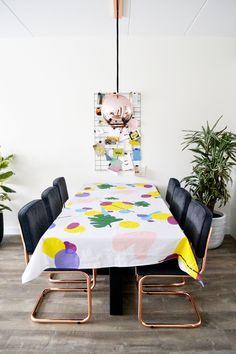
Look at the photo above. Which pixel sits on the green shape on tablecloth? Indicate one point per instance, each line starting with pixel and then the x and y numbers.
pixel 111 198
pixel 104 186
pixel 141 203
pixel 103 220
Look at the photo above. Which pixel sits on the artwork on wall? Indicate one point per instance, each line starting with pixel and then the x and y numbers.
pixel 117 148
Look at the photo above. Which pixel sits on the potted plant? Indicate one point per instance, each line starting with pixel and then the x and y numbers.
pixel 4 190
pixel 214 155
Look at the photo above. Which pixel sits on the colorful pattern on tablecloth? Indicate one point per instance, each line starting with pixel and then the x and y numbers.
pixel 108 225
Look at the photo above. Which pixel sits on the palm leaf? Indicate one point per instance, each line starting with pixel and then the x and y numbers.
pixel 102 220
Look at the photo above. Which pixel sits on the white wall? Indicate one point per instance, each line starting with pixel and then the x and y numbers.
pixel 46 104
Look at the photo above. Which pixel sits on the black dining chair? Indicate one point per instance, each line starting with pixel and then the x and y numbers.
pixel 172 184
pixel 52 201
pixel 60 183
pixel 179 205
pixel 34 222
pixel 197 228
pixel 53 204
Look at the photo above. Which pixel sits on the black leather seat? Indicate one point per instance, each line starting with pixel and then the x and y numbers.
pixel 163 268
pixel 197 228
pixel 60 183
pixel 34 222
pixel 52 201
pixel 179 205
pixel 172 184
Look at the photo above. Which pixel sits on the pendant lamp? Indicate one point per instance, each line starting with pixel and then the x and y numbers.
pixel 117 109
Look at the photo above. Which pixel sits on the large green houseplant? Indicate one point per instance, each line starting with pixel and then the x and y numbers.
pixel 4 190
pixel 214 155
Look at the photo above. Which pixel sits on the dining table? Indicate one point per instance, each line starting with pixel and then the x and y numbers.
pixel 114 226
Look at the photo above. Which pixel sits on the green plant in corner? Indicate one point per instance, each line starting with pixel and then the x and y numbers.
pixel 4 190
pixel 214 155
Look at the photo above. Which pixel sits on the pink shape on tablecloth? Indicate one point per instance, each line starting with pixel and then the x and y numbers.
pixel 171 220
pixel 140 240
pixel 87 200
pixel 122 191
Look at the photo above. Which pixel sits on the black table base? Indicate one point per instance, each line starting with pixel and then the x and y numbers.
pixel 116 291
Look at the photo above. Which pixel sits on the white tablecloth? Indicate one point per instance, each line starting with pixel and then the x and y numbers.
pixel 111 225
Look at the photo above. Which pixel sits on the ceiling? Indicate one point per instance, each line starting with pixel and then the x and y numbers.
pixel 32 18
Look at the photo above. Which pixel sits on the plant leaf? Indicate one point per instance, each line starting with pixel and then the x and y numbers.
pixel 5 175
pixel 7 189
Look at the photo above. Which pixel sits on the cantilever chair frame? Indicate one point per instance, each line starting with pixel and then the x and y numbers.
pixel 141 291
pixel 46 291
pixel 90 284
pixel 52 279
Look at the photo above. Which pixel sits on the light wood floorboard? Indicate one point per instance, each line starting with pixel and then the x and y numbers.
pixel 117 334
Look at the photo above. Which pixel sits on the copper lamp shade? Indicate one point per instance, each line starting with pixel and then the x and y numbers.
pixel 116 110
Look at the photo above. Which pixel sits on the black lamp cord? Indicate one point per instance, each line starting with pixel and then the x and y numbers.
pixel 117 46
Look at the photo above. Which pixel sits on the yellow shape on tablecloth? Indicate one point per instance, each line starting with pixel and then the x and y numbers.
pixel 154 194
pixel 52 245
pixel 184 250
pixel 68 204
pixel 76 229
pixel 129 224
pixel 120 187
pixel 116 206
pixel 93 212
pixel 160 216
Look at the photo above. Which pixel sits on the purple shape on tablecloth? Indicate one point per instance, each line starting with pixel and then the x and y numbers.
pixel 80 195
pixel 145 196
pixel 147 185
pixel 70 246
pixel 67 259
pixel 72 225
pixel 171 220
pixel 106 203
pixel 52 225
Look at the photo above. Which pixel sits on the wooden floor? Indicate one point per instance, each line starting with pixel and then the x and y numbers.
pixel 117 334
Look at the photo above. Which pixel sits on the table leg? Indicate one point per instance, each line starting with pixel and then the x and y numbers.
pixel 116 291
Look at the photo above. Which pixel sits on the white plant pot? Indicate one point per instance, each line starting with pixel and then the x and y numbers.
pixel 218 230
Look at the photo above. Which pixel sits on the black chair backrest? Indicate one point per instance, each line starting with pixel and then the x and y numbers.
pixel 179 204
pixel 173 183
pixel 52 201
pixel 197 226
pixel 60 183
pixel 34 222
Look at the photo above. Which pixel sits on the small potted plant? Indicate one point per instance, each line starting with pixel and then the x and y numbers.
pixel 214 155
pixel 4 190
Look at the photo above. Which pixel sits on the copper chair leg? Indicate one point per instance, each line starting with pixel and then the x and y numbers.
pixel 195 324
pixel 77 281
pixel 87 290
pixel 159 285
